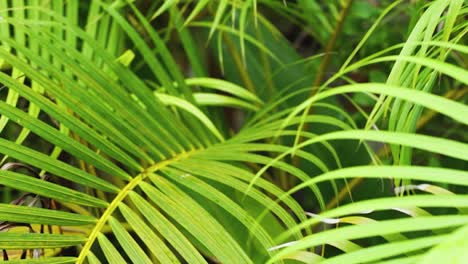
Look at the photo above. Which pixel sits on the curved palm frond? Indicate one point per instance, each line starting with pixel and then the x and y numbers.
pixel 123 168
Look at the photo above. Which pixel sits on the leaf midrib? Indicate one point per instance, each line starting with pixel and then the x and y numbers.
pixel 121 195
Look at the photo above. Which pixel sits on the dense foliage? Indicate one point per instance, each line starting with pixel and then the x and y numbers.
pixel 247 131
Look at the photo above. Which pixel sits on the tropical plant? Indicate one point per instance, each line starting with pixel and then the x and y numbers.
pixel 202 132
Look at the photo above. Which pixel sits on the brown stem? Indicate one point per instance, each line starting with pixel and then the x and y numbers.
pixel 325 62
pixel 331 45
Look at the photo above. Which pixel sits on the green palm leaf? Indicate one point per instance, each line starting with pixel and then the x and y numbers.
pixel 114 153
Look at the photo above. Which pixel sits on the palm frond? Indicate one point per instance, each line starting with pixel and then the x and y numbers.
pixel 117 155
